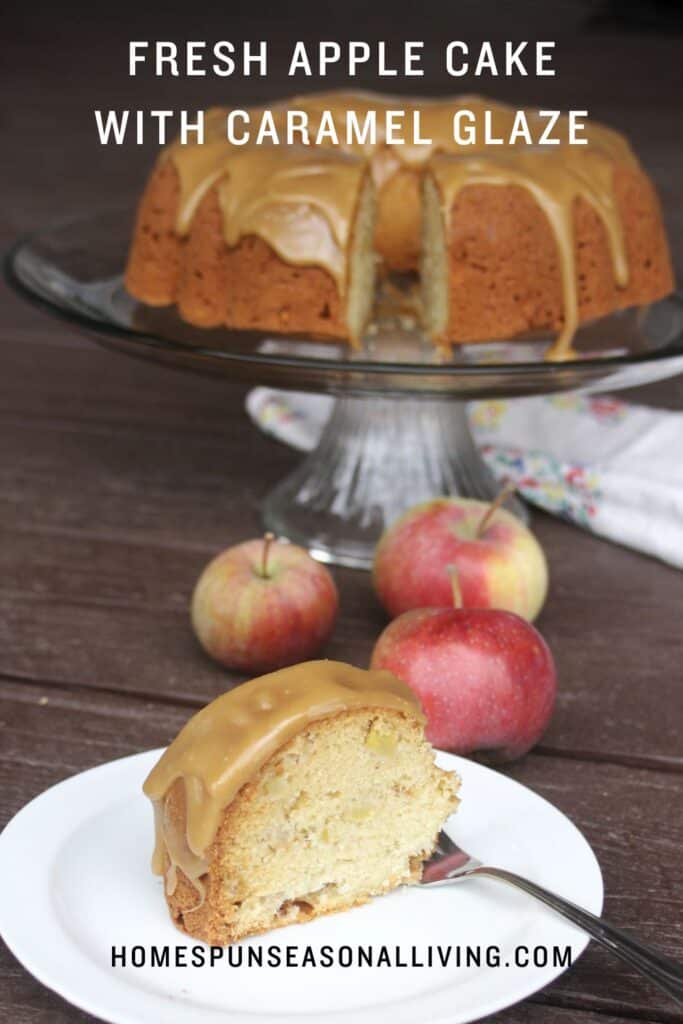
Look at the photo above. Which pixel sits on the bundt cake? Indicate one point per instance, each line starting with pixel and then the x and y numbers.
pixel 509 237
pixel 297 794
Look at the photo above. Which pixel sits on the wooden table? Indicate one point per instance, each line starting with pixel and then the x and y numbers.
pixel 119 480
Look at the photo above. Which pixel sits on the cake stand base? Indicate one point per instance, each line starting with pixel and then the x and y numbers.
pixel 376 458
pixel 378 455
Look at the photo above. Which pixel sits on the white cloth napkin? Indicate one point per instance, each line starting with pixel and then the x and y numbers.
pixel 612 468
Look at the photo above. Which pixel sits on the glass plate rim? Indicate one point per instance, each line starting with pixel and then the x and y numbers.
pixel 146 339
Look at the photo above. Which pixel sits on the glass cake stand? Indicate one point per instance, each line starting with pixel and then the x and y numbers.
pixel 398 432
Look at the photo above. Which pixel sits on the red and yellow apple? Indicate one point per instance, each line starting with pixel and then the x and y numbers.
pixel 499 561
pixel 486 679
pixel 262 605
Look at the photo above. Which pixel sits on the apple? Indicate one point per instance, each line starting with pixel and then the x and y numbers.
pixel 264 604
pixel 486 678
pixel 500 563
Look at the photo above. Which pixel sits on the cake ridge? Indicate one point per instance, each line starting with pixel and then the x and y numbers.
pixel 555 179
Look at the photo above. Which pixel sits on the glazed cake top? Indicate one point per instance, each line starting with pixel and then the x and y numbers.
pixel 225 744
pixel 301 201
pixel 327 114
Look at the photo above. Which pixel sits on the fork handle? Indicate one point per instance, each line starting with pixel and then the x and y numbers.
pixel 664 972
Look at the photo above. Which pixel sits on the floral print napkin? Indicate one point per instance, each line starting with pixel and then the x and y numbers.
pixel 610 467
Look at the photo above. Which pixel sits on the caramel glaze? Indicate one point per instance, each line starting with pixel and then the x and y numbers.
pixel 225 744
pixel 301 200
pixel 555 179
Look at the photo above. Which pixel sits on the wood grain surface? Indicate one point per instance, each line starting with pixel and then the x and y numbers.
pixel 118 480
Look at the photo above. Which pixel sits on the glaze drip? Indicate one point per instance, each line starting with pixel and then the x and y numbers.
pixel 555 179
pixel 301 201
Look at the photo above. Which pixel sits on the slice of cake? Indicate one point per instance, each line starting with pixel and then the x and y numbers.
pixel 300 793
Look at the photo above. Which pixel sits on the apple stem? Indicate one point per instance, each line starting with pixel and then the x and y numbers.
pixel 268 539
pixel 502 496
pixel 452 571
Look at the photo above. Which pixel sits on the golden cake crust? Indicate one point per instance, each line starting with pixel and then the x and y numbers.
pixel 247 286
pixel 156 252
pixel 504 275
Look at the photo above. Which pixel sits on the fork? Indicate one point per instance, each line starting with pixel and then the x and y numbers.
pixel 449 863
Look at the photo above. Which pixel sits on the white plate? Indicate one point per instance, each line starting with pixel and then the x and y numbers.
pixel 75 881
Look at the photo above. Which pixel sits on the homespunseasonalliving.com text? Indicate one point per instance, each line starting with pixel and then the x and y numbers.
pixel 139 956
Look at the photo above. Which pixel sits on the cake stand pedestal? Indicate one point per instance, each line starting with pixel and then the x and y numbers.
pixel 398 433
pixel 376 458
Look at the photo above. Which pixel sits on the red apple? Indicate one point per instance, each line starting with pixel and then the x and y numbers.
pixel 264 604
pixel 500 563
pixel 486 679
